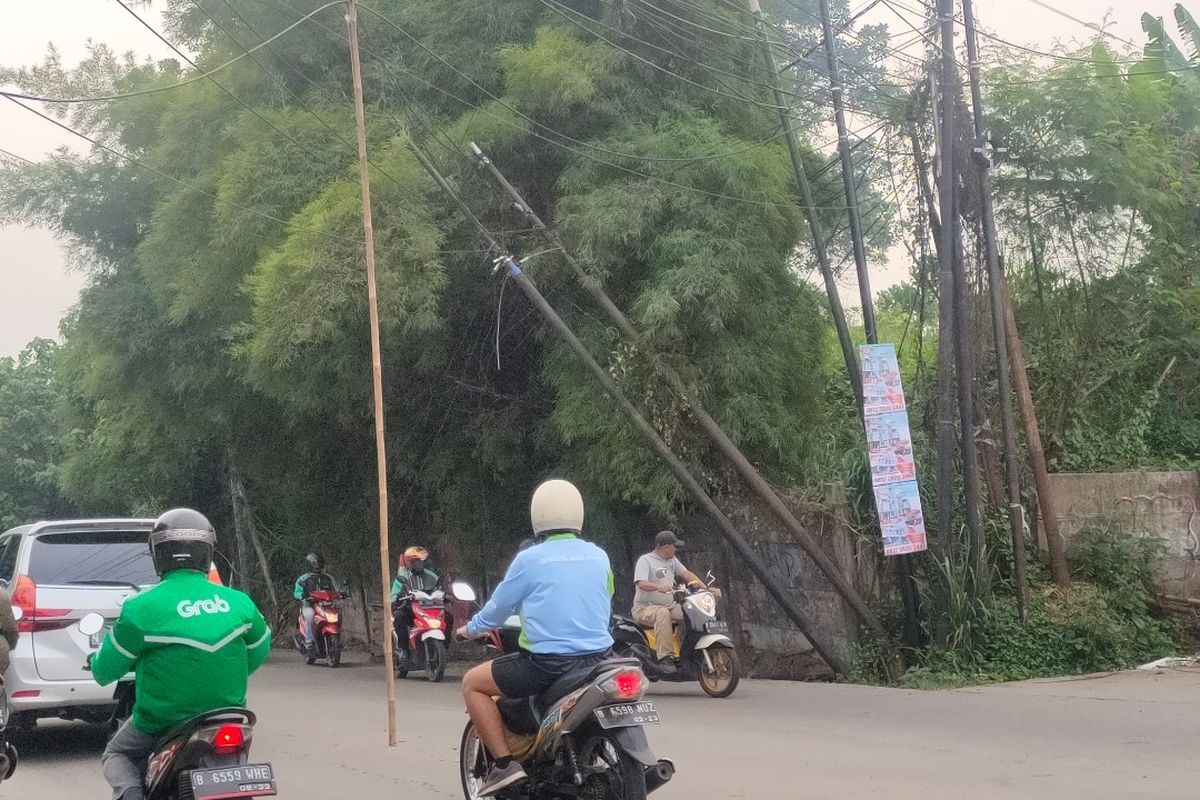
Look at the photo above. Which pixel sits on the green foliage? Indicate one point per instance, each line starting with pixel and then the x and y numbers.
pixel 31 442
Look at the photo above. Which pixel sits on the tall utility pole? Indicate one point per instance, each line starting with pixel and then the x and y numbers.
pixel 904 562
pixel 946 434
pixel 839 117
pixel 364 175
pixel 810 213
pixel 995 281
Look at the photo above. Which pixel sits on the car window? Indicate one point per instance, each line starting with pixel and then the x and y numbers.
pixel 92 556
pixel 9 547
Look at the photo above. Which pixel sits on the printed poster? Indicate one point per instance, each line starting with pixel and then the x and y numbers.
pixel 900 518
pixel 882 390
pixel 889 444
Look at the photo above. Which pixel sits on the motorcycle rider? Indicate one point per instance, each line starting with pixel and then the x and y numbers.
pixel 191 644
pixel 315 580
pixel 563 588
pixel 655 576
pixel 413 574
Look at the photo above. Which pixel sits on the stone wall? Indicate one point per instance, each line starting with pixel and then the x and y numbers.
pixel 1159 504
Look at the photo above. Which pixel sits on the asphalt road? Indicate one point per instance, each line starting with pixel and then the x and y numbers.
pixel 1130 735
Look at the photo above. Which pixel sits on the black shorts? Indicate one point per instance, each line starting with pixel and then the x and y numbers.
pixel 527 674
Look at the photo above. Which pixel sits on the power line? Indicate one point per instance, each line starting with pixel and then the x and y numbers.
pixel 16 157
pixel 1088 25
pixel 199 77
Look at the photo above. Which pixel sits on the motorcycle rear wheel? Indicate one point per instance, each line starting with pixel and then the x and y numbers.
pixel 435 660
pixel 472 759
pixel 625 778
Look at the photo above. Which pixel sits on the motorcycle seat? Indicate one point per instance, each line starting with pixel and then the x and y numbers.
pixel 633 622
pixel 576 678
pixel 215 717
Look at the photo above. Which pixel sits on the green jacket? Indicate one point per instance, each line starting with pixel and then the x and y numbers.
pixel 312 582
pixel 192 645
pixel 405 579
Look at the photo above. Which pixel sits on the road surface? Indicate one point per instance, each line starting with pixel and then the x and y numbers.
pixel 1130 735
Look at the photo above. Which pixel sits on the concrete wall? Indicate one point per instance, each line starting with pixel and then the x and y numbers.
pixel 1160 504
pixel 769 644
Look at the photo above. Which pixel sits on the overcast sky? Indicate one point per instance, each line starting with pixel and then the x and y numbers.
pixel 35 286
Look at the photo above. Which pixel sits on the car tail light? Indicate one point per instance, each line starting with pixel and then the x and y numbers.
pixel 24 596
pixel 229 739
pixel 626 685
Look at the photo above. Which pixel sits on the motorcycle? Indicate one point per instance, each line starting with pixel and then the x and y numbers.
pixel 205 757
pixel 703 650
pixel 427 640
pixel 327 630
pixel 8 753
pixel 583 737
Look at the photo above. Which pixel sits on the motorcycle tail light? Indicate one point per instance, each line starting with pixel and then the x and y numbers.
pixel 229 739
pixel 626 685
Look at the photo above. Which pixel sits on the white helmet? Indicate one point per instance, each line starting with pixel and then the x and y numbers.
pixel 556 506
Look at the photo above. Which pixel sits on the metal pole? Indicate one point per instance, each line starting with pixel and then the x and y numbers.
pixel 710 426
pixel 364 175
pixel 995 279
pixel 681 473
pixel 810 214
pixel 856 232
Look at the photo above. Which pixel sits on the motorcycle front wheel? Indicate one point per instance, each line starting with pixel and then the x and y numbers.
pixel 621 776
pixel 726 672
pixel 435 659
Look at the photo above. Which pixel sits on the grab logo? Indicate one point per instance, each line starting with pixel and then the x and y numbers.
pixel 188 608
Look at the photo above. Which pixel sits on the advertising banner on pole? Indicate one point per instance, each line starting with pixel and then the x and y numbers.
pixel 890 450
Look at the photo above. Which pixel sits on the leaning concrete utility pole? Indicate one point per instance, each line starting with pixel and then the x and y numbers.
pixel 709 425
pixel 364 175
pixel 677 467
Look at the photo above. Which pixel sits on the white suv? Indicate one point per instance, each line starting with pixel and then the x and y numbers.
pixel 57 572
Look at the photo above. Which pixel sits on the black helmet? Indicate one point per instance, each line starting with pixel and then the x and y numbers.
pixel 182 539
pixel 315 562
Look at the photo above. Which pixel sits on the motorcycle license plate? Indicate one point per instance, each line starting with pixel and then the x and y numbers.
pixel 244 780
pixel 627 715
pixel 716 626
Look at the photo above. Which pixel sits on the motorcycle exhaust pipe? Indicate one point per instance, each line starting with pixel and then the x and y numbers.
pixel 658 775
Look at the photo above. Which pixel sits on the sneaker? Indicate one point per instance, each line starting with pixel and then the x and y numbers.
pixel 667 666
pixel 500 778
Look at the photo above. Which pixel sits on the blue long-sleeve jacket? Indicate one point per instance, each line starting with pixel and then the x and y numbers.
pixel 563 590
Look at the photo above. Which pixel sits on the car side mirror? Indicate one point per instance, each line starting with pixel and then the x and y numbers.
pixel 462 591
pixel 91 624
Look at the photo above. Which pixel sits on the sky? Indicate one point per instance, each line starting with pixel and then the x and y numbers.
pixel 36 285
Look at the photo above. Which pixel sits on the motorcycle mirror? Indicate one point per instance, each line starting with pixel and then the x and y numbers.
pixel 91 624
pixel 463 591
pixel 710 579
pixel 18 612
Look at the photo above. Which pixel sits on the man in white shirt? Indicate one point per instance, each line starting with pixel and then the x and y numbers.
pixel 654 604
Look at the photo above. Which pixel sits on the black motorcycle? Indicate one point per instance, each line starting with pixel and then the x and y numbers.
pixel 205 757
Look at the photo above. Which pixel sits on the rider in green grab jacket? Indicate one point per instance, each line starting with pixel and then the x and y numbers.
pixel 192 645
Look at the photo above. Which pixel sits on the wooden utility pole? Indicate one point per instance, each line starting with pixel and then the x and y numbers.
pixel 810 213
pixel 1016 511
pixel 1033 440
pixel 364 175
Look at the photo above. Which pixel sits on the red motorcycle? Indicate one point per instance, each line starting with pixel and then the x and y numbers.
pixel 327 627
pixel 428 639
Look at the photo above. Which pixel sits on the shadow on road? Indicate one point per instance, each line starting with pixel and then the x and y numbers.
pixel 54 741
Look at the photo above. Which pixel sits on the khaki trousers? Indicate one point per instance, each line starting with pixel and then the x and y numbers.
pixel 661 618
